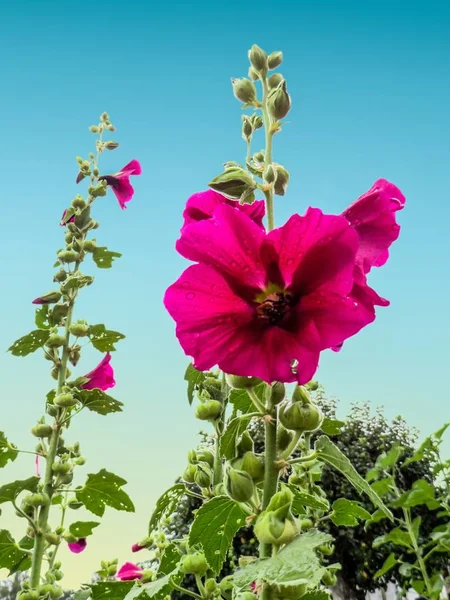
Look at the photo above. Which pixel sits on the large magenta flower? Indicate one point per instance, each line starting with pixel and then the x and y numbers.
pixel 102 377
pixel 202 205
pixel 78 546
pixel 266 305
pixel 120 182
pixel 129 571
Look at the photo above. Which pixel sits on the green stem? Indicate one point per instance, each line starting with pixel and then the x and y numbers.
pixel 249 151
pixel 270 473
pixel 201 587
pixel 184 590
pixel 292 446
pixel 420 560
pixel 268 193
pixel 256 401
pixel 218 471
pixel 61 524
pixel 303 459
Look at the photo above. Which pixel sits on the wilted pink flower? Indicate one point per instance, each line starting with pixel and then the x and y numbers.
pixel 120 182
pixel 202 205
pixel 102 377
pixel 129 571
pixel 78 546
pixel 266 304
pixel 64 221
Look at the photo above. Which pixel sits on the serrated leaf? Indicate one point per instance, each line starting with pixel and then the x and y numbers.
pixel 104 258
pixel 388 565
pixel 421 492
pixel 97 401
pixel 331 454
pixel 383 486
pixel 156 590
pixel 348 513
pixel 82 529
pixel 169 559
pixel 111 590
pixel 193 378
pixel 104 489
pixel 10 491
pixel 396 536
pixel 241 402
pixel 76 282
pixel 215 525
pixel 41 317
pixel 295 564
pixel 166 503
pixel 11 556
pixel 390 458
pixel 303 499
pixel 428 446
pixel 6 452
pixel 228 440
pixel 332 426
pixel 104 339
pixel 29 343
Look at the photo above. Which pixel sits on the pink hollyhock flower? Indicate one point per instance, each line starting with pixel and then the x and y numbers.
pixel 102 377
pixel 202 205
pixel 129 571
pixel 266 304
pixel 137 547
pixel 63 222
pixel 78 546
pixel 120 182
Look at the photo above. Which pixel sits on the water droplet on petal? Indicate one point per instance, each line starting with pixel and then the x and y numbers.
pixel 294 366
pixel 190 295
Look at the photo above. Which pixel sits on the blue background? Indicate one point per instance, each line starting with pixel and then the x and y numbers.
pixel 371 98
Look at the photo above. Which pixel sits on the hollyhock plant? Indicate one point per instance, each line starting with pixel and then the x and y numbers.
pixel 258 303
pixel 129 571
pixel 78 546
pixel 102 377
pixel 202 205
pixel 120 182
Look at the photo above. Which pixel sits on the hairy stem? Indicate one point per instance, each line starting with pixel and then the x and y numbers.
pixel 268 193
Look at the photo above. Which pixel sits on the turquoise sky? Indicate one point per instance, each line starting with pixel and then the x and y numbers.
pixel 371 98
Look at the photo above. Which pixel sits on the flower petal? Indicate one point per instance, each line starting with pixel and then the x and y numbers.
pixel 121 187
pixel 132 168
pixel 102 377
pixel 78 546
pixel 129 571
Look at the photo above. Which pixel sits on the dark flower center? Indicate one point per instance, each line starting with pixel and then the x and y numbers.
pixel 275 307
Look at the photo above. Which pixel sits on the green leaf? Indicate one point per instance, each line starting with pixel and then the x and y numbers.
pixel 396 536
pixel 303 499
pixel 415 525
pixel 157 590
pixel 104 489
pixel 421 492
pixel 97 401
pixel 6 452
pixel 390 458
pixel 332 426
pixel 41 317
pixel 166 504
pixel 241 402
pixel 81 529
pixel 331 454
pixel 377 516
pixel 215 525
pixel 193 378
pixel 388 565
pixel 111 590
pixel 82 594
pixel 348 513
pixel 169 559
pixel 76 281
pixel 29 343
pixel 295 564
pixel 11 556
pixel 104 339
pixel 228 440
pixel 104 258
pixel 10 491
pixel 317 595
pixel 429 446
pixel 383 486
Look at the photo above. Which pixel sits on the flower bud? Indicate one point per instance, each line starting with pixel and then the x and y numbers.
pixel 79 329
pixel 241 383
pixel 258 59
pixel 253 464
pixel 192 456
pixel 306 524
pixel 282 181
pixel 58 574
pixel 55 372
pixel 60 276
pixel 256 121
pixel 206 456
pixel 189 473
pixel 274 80
pixel 247 128
pixel 329 579
pixel 284 438
pixel 245 444
pixel 269 174
pixel 233 182
pixel 61 468
pixel 80 461
pixel 202 475
pixel 53 591
pixel 239 485
pixel 194 564
pixel 112 570
pixel 49 298
pixel 36 500
pixel 219 489
pixel 259 156
pixel 312 386
pixel 68 256
pixel 52 538
pixel 246 596
pixel 226 587
pixel 79 202
pixel 326 549
pixel 244 90
pixel 210 410
pixel 94 129
pixel 55 341
pixel 253 74
pixel 300 394
pixel 269 529
pixel 210 586
pixel 42 430
pixel 274 60
pixel 290 592
pixel 65 400
pixel 89 245
pixel 301 417
pixel 277 393
pixel 279 101
pixel 59 311
pixel 110 145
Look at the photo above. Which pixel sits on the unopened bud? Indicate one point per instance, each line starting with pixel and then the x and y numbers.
pixel 274 60
pixel 253 464
pixel 202 475
pixel 253 74
pixel 74 504
pixel 239 485
pixel 279 101
pixel 301 417
pixel 210 586
pixel 209 410
pixel 300 394
pixel 244 90
pixel 80 461
pixel 241 383
pixel 79 329
pixel 78 202
pixel 189 473
pixel 42 430
pixel 60 276
pixel 110 145
pixel 61 468
pixel 94 129
pixel 284 438
pixel 194 564
pixel 277 393
pixel 65 400
pixel 68 256
pixel 89 245
pixel 247 129
pixel 55 341
pixel 52 538
pixel 269 174
pixel 48 298
pixel 282 180
pixel 258 59
pixel 312 386
pixel 206 456
pixel 274 80
pixel 245 444
pixel 256 121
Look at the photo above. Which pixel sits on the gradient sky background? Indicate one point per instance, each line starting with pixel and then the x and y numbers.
pixel 370 83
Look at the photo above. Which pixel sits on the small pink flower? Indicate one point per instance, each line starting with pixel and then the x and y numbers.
pixel 102 377
pixel 202 205
pixel 63 221
pixel 137 547
pixel 78 546
pixel 266 304
pixel 37 468
pixel 129 571
pixel 120 182
pixel 49 298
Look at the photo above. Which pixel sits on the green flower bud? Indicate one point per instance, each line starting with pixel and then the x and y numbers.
pixel 192 456
pixel 300 394
pixel 241 383
pixel 210 586
pixel 329 579
pixel 189 473
pixel 233 182
pixel 253 464
pixel 55 341
pixel 306 524
pixel 219 489
pixel 28 595
pixel 112 570
pixel 246 596
pixel 194 564
pixel 52 538
pixel 256 121
pixel 94 129
pixel 259 156
pixel 110 145
pixel 274 80
pixel 104 117
pixel 326 549
pixel 247 128
pixel 226 587
pixel 279 101
pixel 55 372
pixel 202 475
pixel 89 245
pixel 36 500
pixel 290 592
pixel 312 386
pixel 60 276
pixel 301 417
pixel 75 355
pixel 282 180
pixel 209 410
pixel 54 591
pixel 61 468
pixel 65 400
pixel 269 529
pixel 244 90
pixel 253 74
pixel 258 59
pixel 79 202
pixel 245 444
pixel 277 393
pixel 80 461
pixel 238 484
pixel 274 60
pixel 58 574
pixel 69 538
pixel 206 456
pixel 42 430
pixel 74 504
pixel 58 312
pixel 269 174
pixel 50 298
pixel 79 329
pixel 68 256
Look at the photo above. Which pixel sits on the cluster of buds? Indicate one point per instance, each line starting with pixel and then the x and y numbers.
pixel 300 414
pixel 200 469
pixel 210 396
pixel 47 589
pixel 108 570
